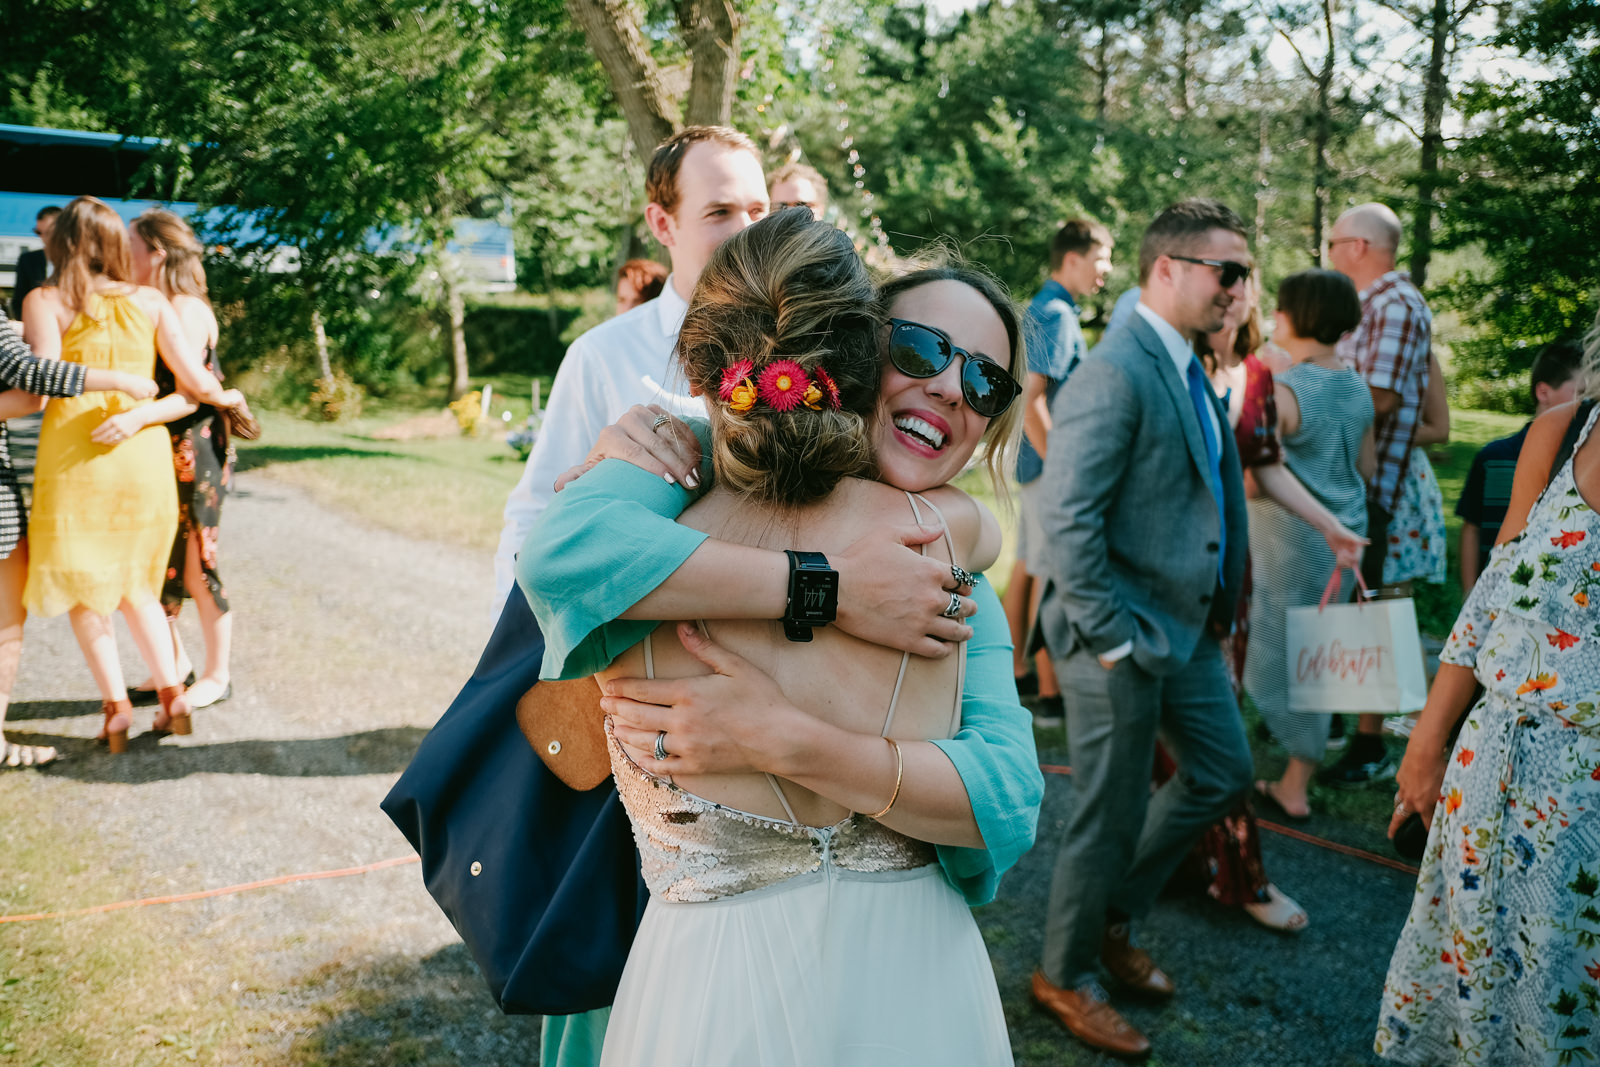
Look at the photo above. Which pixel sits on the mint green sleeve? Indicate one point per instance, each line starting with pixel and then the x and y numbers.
pixel 995 756
pixel 603 544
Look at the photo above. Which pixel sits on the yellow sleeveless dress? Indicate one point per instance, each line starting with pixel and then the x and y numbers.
pixel 103 516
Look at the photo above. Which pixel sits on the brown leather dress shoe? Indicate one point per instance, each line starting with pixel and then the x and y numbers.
pixel 1132 965
pixel 1088 1017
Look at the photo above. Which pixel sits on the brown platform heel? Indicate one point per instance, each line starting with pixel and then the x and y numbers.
pixel 177 722
pixel 116 740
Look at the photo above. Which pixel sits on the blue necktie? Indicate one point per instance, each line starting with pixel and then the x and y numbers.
pixel 1202 404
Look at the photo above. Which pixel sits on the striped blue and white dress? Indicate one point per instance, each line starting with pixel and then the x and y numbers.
pixel 21 369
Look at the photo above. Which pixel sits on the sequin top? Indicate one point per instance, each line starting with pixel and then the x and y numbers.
pixel 694 850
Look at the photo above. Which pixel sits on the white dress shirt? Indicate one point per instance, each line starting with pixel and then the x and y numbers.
pixel 1182 353
pixel 624 361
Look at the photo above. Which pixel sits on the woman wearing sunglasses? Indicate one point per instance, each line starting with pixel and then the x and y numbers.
pixel 970 793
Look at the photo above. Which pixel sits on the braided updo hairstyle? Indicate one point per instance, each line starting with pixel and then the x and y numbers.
pixel 786 288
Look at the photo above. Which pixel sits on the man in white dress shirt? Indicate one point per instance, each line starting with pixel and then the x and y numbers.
pixel 704 184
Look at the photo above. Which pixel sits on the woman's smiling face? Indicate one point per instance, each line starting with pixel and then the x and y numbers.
pixel 926 431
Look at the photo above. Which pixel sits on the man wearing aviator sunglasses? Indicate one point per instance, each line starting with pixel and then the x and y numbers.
pixel 919 351
pixel 1145 541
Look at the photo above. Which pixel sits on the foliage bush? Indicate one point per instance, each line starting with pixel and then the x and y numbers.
pixel 522 338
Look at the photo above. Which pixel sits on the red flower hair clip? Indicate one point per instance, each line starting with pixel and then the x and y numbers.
pixel 830 389
pixel 736 388
pixel 782 385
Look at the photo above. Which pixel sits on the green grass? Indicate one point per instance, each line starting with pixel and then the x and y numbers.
pixel 450 489
pixel 107 989
pixel 1438 605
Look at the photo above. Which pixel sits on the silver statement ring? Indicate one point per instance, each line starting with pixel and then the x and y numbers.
pixel 661 745
pixel 953 608
pixel 661 420
pixel 1400 808
pixel 962 575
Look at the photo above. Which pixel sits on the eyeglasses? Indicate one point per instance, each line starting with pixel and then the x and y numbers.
pixel 919 351
pixel 1229 272
pixel 1342 240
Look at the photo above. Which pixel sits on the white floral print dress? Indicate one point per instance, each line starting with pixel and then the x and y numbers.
pixel 1499 961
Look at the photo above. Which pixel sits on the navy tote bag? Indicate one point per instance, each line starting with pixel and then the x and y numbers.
pixel 541 881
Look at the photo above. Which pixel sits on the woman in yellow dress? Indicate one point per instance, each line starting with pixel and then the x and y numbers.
pixel 104 514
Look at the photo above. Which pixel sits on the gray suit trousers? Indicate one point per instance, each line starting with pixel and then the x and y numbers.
pixel 1121 843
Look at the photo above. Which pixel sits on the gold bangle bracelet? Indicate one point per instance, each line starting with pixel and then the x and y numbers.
pixel 899 773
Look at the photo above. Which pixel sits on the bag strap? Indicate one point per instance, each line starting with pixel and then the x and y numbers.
pixel 1333 584
pixel 1580 419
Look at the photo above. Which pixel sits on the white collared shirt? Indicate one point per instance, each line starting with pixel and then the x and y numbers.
pixel 624 361
pixel 1182 353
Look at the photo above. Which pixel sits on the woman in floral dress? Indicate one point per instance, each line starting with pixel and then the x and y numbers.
pixel 1499 961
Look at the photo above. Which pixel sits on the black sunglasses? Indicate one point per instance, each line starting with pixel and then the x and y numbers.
pixel 1229 271
pixel 919 351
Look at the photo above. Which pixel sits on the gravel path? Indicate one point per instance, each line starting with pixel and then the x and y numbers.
pixel 349 642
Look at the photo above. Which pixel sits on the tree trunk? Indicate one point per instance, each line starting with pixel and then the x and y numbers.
pixel 1324 134
pixel 320 336
pixel 1186 63
pixel 710 31
pixel 551 317
pixel 1102 58
pixel 613 32
pixel 1263 157
pixel 456 307
pixel 1435 92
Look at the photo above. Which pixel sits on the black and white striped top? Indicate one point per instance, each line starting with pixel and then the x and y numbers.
pixel 21 369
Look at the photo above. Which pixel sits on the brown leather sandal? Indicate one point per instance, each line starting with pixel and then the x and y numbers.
pixel 116 740
pixel 169 721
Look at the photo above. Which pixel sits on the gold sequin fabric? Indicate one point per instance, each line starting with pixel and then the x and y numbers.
pixel 695 850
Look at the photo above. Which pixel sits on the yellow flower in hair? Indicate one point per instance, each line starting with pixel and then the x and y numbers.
pixel 813 397
pixel 743 396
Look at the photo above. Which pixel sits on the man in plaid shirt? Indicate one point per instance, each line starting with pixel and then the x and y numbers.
pixel 1390 349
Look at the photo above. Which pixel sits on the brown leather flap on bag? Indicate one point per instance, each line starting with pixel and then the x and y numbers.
pixel 563 723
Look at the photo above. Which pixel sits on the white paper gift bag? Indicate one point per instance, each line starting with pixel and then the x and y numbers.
pixel 1356 657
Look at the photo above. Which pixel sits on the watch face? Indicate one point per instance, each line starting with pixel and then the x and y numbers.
pixel 816 596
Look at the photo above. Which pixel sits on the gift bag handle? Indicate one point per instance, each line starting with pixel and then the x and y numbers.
pixel 1333 584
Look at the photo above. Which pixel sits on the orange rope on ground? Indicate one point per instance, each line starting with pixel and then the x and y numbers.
pixel 1296 835
pixel 288 879
pixel 285 879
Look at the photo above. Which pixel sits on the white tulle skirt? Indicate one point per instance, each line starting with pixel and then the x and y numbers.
pixel 833 969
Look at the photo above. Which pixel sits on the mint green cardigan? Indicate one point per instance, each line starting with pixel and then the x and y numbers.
pixel 609 538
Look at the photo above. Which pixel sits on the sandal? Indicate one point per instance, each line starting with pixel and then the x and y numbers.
pixel 13 755
pixel 169 720
pixel 1278 912
pixel 114 736
pixel 1265 795
pixel 144 696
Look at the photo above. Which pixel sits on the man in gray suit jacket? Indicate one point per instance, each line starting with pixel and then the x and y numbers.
pixel 1146 533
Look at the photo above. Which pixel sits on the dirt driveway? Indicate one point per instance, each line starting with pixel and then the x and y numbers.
pixel 350 642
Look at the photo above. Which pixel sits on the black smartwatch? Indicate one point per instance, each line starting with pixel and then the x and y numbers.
pixel 813 594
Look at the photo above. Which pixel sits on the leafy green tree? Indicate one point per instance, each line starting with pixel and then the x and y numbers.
pixel 1529 198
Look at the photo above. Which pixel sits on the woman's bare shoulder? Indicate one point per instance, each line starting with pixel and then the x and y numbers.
pixel 974 530
pixel 197 317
